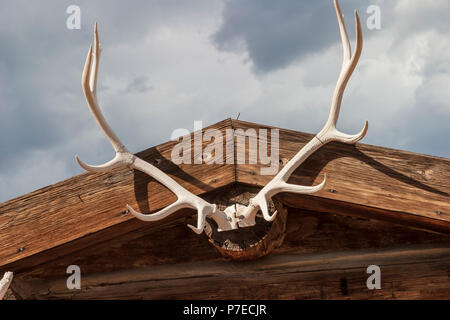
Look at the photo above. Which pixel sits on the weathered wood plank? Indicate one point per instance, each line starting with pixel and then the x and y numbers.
pixel 406 273
pixel 307 233
pixel 374 182
pixel 397 186
pixel 89 203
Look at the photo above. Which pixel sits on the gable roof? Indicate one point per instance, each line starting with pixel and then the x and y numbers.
pixel 396 186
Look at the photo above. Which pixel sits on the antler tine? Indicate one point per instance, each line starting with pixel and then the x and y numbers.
pixel 185 199
pixel 97 53
pixel 349 62
pixel 347 50
pixel 5 283
pixel 274 187
pixel 327 134
pixel 177 205
pixel 89 85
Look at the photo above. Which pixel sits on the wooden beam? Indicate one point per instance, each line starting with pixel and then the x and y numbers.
pixel 406 273
pixel 363 180
pixel 308 234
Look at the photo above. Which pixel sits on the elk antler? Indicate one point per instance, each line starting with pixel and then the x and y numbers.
pixel 245 216
pixel 327 134
pixel 4 283
pixel 123 157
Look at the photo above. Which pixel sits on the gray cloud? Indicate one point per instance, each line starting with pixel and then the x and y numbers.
pixel 166 63
pixel 139 84
pixel 41 102
pixel 276 33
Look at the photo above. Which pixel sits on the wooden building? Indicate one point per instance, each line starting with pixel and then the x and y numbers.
pixel 380 207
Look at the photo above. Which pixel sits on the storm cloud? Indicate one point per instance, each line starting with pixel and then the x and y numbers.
pixel 276 33
pixel 166 63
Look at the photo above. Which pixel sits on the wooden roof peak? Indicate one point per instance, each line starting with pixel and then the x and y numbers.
pixel 363 180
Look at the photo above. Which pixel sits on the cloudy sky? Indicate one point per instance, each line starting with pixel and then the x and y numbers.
pixel 166 63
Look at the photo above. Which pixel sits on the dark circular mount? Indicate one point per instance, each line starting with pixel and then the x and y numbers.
pixel 247 243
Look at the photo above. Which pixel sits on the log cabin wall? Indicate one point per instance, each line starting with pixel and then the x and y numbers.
pixel 323 256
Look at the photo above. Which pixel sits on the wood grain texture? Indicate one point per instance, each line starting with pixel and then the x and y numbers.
pixel 406 273
pixel 307 232
pixel 381 183
pixel 153 263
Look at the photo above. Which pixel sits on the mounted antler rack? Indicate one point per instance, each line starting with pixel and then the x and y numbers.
pixel 233 216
